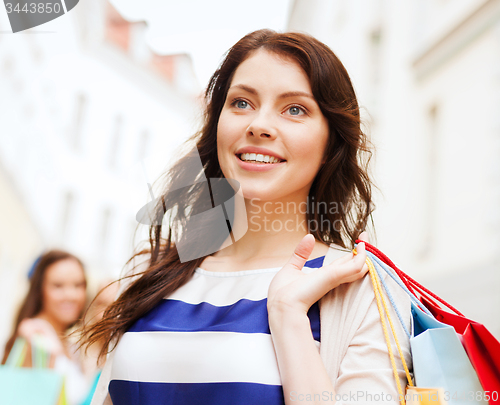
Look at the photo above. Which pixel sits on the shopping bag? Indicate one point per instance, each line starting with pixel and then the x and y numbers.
pixel 480 345
pixel 439 359
pixel 29 386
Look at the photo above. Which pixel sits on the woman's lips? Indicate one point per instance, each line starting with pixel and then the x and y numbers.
pixel 258 167
pixel 68 307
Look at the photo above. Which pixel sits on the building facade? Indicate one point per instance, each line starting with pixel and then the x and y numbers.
pixel 427 75
pixel 89 117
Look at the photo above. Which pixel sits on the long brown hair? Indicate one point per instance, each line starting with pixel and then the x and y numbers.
pixel 33 302
pixel 343 179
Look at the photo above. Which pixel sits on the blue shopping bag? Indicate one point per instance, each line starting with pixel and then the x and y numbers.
pixel 440 360
pixel 29 386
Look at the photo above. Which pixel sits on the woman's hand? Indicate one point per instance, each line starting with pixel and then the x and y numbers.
pixel 39 331
pixel 293 290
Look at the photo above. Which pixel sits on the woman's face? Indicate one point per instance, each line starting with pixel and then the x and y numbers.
pixel 64 290
pixel 270 112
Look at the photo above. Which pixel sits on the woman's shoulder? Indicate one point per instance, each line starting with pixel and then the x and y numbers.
pixel 334 252
pixel 355 303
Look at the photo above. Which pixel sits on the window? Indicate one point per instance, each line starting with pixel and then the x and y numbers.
pixel 66 212
pixel 78 120
pixel 115 140
pixel 104 229
pixel 431 183
pixel 143 145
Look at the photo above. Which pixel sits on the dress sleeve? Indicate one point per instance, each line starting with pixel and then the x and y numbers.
pixel 101 394
pixel 356 355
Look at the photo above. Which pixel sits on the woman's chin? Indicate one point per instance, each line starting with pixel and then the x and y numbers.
pixel 67 319
pixel 259 195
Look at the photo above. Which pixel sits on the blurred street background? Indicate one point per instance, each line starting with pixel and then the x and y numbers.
pixel 96 103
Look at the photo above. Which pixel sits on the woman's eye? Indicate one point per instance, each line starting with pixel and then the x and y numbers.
pixel 294 110
pixel 240 104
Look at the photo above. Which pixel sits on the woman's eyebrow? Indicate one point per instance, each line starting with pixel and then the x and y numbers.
pixel 251 90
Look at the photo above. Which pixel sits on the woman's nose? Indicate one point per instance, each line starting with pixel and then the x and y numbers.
pixel 71 293
pixel 262 125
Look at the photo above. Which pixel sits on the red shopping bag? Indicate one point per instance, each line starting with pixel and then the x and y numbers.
pixel 481 346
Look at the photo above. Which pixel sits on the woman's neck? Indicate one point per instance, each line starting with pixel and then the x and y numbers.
pixel 274 229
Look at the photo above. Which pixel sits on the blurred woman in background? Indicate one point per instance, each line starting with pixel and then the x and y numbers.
pixel 54 304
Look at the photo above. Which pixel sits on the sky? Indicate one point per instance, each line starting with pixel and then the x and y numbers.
pixel 203 29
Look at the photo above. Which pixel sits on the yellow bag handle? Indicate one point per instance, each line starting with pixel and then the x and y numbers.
pixel 382 308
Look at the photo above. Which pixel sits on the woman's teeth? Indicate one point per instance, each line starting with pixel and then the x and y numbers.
pixel 257 157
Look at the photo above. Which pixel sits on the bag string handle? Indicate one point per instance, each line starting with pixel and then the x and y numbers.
pixel 382 307
pixel 17 355
pixel 380 264
pixel 391 299
pixel 406 278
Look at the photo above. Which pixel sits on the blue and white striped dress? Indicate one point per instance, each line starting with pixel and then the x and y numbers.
pixel 206 343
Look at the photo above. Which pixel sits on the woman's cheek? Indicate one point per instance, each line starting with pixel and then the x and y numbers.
pixel 83 297
pixel 53 295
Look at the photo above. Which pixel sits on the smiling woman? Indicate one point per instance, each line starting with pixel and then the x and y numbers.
pixel 54 303
pixel 263 117
pixel 242 322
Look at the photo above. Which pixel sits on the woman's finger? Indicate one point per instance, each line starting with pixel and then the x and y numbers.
pixel 302 252
pixel 364 236
pixel 361 250
pixel 361 256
